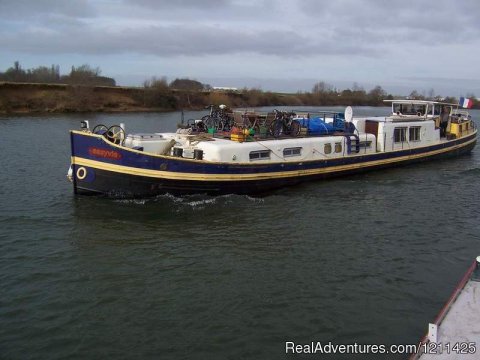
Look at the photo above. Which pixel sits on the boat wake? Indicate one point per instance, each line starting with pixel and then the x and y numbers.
pixel 193 202
pixel 471 172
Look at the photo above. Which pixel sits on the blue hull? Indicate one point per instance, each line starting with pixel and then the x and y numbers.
pixel 100 167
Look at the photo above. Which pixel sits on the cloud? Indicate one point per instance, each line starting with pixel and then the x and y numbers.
pixel 347 39
pixel 325 28
pixel 399 22
pixel 24 9
pixel 188 40
pixel 175 40
pixel 162 4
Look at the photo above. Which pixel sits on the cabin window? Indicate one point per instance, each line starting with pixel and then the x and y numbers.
pixel 420 110
pixel 409 109
pixel 364 144
pixel 296 151
pixel 400 135
pixel 260 155
pixel 327 148
pixel 338 147
pixel 414 133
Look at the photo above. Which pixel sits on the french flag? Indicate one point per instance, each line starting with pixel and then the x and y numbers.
pixel 465 103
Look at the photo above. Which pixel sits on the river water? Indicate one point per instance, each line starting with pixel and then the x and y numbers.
pixel 369 259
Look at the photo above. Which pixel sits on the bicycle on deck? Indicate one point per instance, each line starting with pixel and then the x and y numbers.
pixel 285 124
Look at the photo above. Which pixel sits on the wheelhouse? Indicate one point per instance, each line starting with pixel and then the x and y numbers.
pixel 421 108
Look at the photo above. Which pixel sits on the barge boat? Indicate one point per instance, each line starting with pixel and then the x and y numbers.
pixel 251 153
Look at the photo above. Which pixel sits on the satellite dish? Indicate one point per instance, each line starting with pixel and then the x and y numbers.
pixel 348 114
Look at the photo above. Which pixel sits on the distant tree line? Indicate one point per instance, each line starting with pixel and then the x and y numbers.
pixel 183 93
pixel 81 75
pixel 179 93
pixel 322 94
pixel 325 94
pixel 177 84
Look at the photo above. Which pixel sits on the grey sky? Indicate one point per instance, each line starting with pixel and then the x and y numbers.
pixel 275 44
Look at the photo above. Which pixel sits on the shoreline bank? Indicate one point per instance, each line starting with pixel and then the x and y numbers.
pixel 39 98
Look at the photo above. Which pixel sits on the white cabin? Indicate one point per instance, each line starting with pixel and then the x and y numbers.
pixel 412 124
pixel 391 134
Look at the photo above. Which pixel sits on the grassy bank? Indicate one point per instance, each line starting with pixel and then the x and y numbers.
pixel 25 98
pixel 61 98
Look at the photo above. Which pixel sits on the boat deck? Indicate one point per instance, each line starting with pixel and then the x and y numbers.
pixel 458 324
